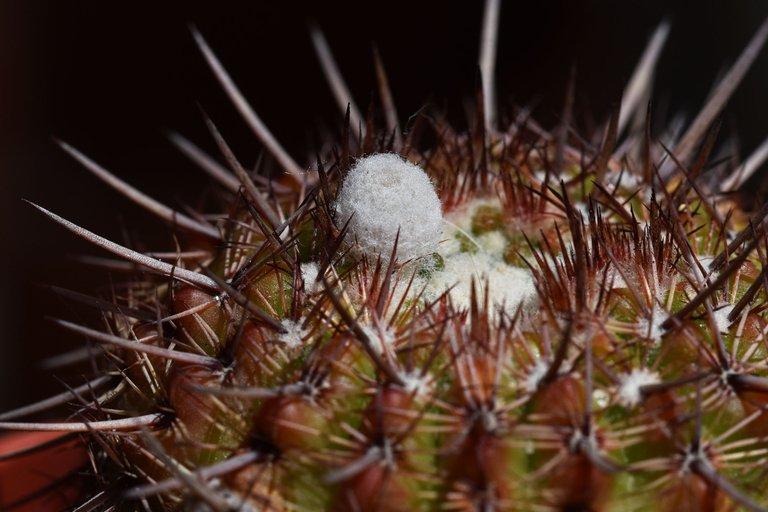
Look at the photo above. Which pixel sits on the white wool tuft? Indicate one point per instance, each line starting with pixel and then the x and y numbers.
pixel 614 278
pixel 417 384
pixel 582 208
pixel 629 181
pixel 381 338
pixel 652 328
pixel 537 373
pixel 705 262
pixel 601 398
pixel 629 391
pixel 309 273
pixel 294 335
pixel 721 317
pixel 382 193
pixel 509 286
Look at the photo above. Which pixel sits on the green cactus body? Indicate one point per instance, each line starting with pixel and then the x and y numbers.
pixel 531 327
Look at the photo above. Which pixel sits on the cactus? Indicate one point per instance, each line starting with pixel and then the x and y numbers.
pixel 499 320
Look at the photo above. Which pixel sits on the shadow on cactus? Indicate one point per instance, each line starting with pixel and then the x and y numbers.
pixel 499 319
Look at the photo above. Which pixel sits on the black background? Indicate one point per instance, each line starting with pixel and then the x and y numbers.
pixel 109 76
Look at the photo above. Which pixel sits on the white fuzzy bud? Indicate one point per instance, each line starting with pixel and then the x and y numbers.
pixel 629 393
pixel 382 193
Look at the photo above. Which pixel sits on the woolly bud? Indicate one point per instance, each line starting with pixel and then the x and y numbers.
pixel 382 193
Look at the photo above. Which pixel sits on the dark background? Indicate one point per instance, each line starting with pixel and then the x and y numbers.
pixel 109 76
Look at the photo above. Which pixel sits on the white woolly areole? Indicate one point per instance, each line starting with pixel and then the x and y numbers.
pixel 601 397
pixel 629 391
pixel 382 193
pixel 293 336
pixel 309 273
pixel 705 262
pixel 652 328
pixel 381 338
pixel 721 317
pixel 625 180
pixel 537 373
pixel 508 286
pixel 613 278
pixel 417 384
